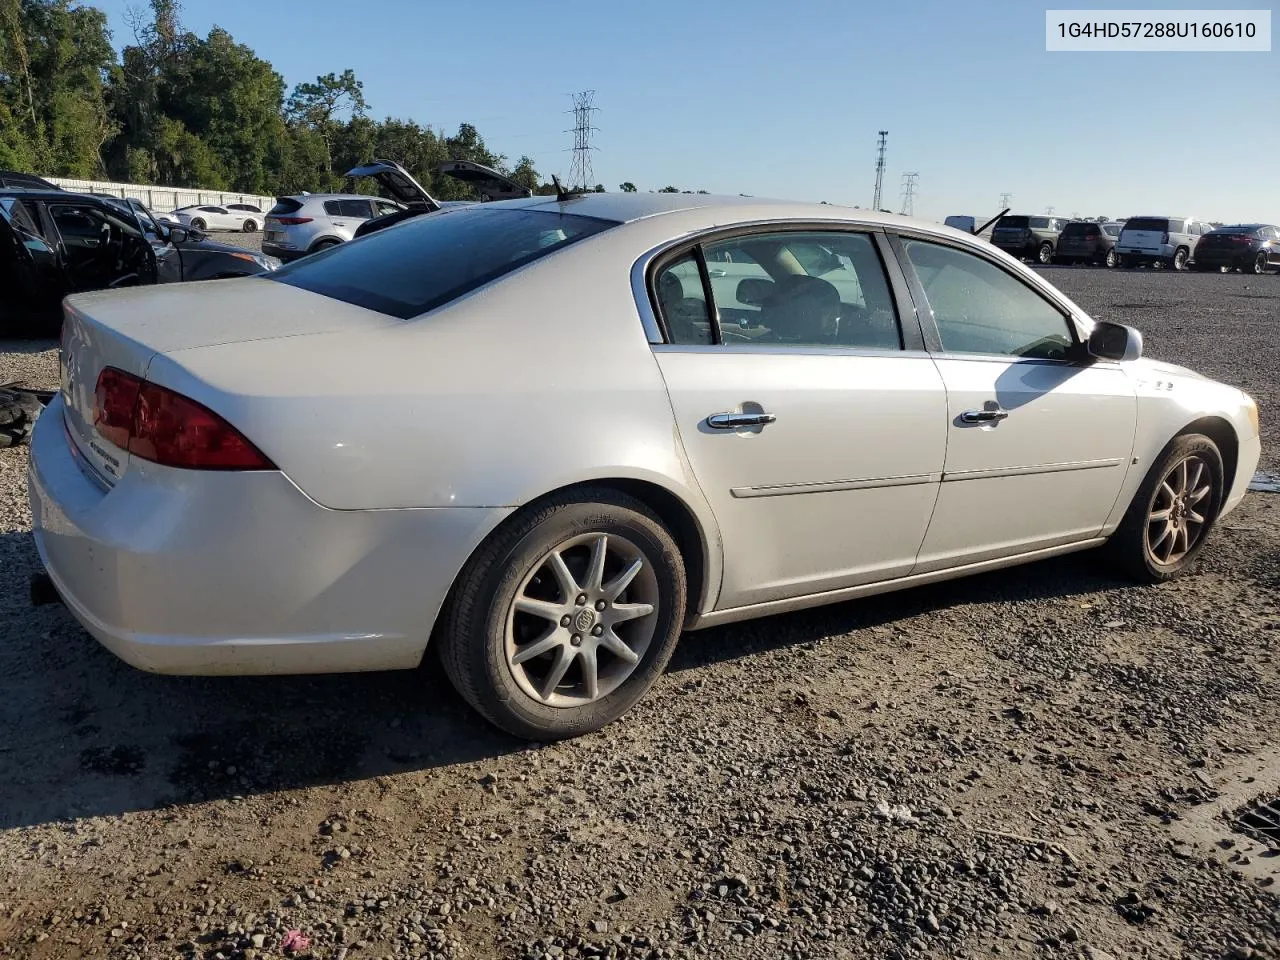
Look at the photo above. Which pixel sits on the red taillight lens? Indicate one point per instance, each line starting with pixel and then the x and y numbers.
pixel 114 400
pixel 293 221
pixel 156 424
pixel 1241 238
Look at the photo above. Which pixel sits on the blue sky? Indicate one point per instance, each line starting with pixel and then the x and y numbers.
pixel 784 99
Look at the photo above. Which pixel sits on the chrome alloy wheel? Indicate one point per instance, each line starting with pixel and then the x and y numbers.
pixel 1180 510
pixel 582 620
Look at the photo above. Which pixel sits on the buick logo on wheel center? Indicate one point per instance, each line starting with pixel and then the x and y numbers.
pixel 585 619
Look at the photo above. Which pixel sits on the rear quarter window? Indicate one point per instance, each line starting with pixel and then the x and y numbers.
pixel 430 260
pixel 285 206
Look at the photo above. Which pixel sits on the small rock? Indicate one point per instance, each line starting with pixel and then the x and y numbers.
pixel 600 926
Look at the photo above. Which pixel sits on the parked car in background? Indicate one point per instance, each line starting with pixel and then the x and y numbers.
pixel 13 180
pixel 488 185
pixel 1246 246
pixel 1159 241
pixel 209 217
pixel 1087 241
pixel 54 243
pixel 1026 236
pixel 297 226
pixel 214 497
pixel 304 224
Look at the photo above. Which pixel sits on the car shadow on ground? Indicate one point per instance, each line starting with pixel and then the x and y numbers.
pixel 87 735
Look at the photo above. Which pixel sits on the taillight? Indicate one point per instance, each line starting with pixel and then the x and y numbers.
pixel 1164 238
pixel 293 221
pixel 1240 238
pixel 157 424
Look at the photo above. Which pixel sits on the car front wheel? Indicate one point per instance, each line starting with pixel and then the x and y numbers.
pixel 1045 253
pixel 566 616
pixel 1180 259
pixel 1113 259
pixel 1173 511
pixel 250 226
pixel 1260 263
pixel 198 224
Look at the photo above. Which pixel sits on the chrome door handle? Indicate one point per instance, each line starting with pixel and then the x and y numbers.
pixel 983 416
pixel 732 421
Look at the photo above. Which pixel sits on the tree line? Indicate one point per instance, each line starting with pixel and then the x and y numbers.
pixel 177 109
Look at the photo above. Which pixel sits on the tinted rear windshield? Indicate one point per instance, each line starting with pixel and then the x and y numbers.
pixel 1080 230
pixel 1158 224
pixel 1018 222
pixel 286 205
pixel 425 262
pixel 1240 229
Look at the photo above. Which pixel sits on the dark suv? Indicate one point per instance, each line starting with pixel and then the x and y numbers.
pixel 1022 235
pixel 1246 246
pixel 54 242
pixel 1087 241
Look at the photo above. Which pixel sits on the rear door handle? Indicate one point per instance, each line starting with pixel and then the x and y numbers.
pixel 732 421
pixel 983 416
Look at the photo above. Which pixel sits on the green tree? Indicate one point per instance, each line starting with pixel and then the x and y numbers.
pixel 598 188
pixel 627 187
pixel 669 189
pixel 319 106
pixel 54 59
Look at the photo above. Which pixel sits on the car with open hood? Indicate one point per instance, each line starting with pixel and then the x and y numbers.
pixel 54 243
pixel 303 224
pixel 549 435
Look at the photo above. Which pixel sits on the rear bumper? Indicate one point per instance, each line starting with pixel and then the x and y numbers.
pixel 282 253
pixel 1225 258
pixel 201 572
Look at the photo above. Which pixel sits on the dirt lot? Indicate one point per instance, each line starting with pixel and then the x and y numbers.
pixel 1022 764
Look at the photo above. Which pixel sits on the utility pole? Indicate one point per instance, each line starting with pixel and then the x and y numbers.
pixel 580 174
pixel 875 198
pixel 909 181
pixel 1005 198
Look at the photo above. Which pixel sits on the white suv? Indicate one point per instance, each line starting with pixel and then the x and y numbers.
pixel 1159 241
pixel 299 225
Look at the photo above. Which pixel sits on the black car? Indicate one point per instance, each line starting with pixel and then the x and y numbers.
pixel 1249 246
pixel 54 242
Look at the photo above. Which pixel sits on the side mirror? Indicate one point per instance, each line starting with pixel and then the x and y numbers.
pixel 1114 341
pixel 179 234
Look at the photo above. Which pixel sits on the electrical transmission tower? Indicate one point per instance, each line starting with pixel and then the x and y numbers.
pixel 1004 200
pixel 875 199
pixel 909 181
pixel 580 174
pixel 1048 211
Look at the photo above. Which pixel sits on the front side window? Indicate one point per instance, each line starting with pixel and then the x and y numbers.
pixel 434 259
pixel 24 219
pixel 979 308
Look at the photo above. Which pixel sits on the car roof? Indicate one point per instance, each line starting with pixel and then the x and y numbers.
pixel 63 195
pixel 629 207
pixel 304 197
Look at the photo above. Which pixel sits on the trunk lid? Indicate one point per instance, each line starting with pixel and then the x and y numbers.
pixel 487 182
pixel 398 183
pixel 128 328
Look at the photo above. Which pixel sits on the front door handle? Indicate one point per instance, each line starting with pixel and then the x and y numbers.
pixel 983 416
pixel 733 421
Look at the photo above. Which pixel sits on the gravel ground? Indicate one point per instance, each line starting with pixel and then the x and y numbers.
pixel 1005 765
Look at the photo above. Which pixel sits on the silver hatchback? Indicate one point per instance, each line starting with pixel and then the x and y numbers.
pixel 303 224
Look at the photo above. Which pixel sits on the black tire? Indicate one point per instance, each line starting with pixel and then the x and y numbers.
pixel 1044 254
pixel 473 639
pixel 249 226
pixel 1129 547
pixel 1112 259
pixel 18 414
pixel 1180 258
pixel 198 224
pixel 1259 264
pixel 323 245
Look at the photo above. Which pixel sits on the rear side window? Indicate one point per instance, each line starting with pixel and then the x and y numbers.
pixel 1158 224
pixel 1040 223
pixel 285 206
pixel 1111 229
pixel 433 259
pixel 1177 226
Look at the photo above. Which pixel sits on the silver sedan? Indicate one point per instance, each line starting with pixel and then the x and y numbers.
pixel 549 435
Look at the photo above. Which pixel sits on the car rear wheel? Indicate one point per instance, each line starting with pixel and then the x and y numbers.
pixel 1045 253
pixel 323 245
pixel 1260 263
pixel 566 616
pixel 250 226
pixel 1180 259
pixel 198 223
pixel 1173 511
pixel 1113 259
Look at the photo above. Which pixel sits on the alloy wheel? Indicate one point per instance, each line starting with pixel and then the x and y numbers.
pixel 1112 259
pixel 582 619
pixel 1260 264
pixel 1046 253
pixel 1180 260
pixel 1179 513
